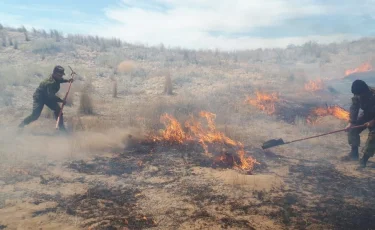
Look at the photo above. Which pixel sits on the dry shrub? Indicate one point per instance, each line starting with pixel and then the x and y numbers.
pixel 126 67
pixel 168 88
pixel 85 105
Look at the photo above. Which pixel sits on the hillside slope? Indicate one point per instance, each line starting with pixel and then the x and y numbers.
pixel 136 158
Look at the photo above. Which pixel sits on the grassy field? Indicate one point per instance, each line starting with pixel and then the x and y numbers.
pixel 171 138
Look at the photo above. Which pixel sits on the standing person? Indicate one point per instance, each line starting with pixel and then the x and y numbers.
pixel 45 94
pixel 364 98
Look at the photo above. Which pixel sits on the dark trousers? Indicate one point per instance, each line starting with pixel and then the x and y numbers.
pixel 38 105
pixel 355 140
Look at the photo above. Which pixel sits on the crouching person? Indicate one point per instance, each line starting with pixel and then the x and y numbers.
pixel 364 98
pixel 45 94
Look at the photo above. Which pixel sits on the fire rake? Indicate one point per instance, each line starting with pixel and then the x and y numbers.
pixel 66 95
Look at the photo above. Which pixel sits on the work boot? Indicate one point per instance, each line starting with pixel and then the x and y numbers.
pixel 20 128
pixel 62 129
pixel 22 125
pixel 353 155
pixel 363 161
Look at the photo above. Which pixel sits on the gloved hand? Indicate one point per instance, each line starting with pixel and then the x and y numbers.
pixel 370 124
pixel 350 125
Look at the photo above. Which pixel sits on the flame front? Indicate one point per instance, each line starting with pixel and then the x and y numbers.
pixel 173 132
pixel 263 101
pixel 209 135
pixel 365 67
pixel 246 162
pixel 204 135
pixel 335 111
pixel 313 86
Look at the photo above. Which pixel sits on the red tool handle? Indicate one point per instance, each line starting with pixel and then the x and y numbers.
pixel 354 127
pixel 66 96
pixel 62 107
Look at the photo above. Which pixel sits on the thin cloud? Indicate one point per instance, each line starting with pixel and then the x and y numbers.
pixel 213 14
pixel 191 23
pixel 210 24
pixel 44 8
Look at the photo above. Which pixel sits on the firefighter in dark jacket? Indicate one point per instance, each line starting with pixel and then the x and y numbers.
pixel 364 99
pixel 45 94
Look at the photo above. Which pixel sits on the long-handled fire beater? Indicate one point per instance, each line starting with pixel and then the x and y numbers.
pixel 277 142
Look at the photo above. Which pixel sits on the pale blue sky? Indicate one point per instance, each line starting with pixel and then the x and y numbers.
pixel 224 24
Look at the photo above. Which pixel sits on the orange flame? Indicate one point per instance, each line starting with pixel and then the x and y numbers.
pixel 211 135
pixel 263 101
pixel 313 86
pixel 365 67
pixel 204 135
pixel 246 162
pixel 173 132
pixel 335 111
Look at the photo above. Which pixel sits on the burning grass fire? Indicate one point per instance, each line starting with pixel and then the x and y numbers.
pixel 173 133
pixel 362 68
pixel 216 144
pixel 335 111
pixel 263 101
pixel 313 86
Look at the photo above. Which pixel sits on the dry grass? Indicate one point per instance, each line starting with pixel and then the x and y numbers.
pixel 206 81
pixel 19 75
pixel 180 107
pixel 168 87
pixel 10 75
pixel 114 89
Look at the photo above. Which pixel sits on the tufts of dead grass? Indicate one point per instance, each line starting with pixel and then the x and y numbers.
pixel 86 104
pixel 114 89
